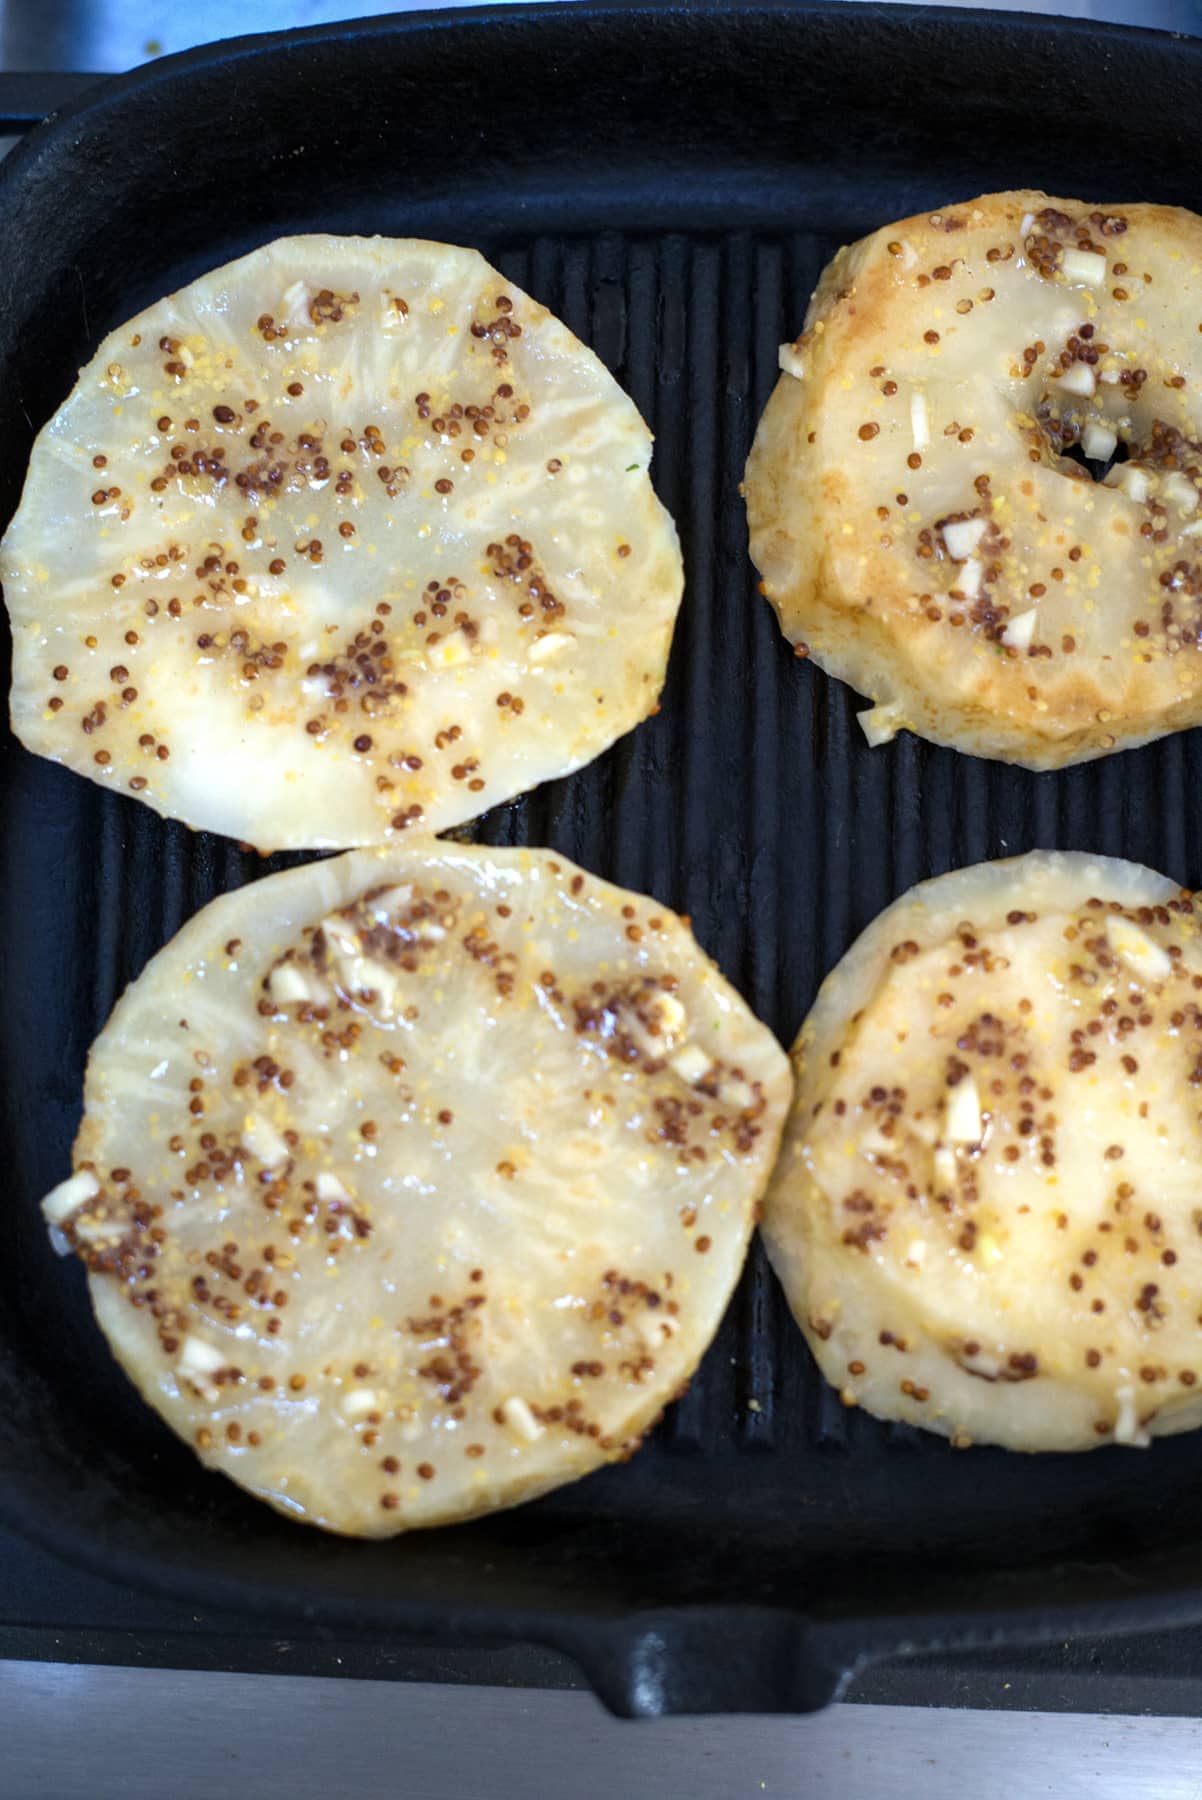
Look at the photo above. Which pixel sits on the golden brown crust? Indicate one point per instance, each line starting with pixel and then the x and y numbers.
pixel 948 365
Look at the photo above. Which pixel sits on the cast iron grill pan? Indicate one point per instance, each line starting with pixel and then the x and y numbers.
pixel 670 182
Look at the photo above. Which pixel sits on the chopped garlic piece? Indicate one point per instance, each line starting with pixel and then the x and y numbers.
pixel 296 304
pixel 198 1357
pixel 691 1064
pixel 1083 265
pixel 100 1231
pixel 1127 1428
pixel 790 361
pixel 963 1122
pixel 553 643
pixel 1142 954
pixel 968 578
pixel 359 1401
pixel 1098 441
pixel 1078 378
pixel 945 1166
pixel 1021 629
pixel 981 1363
pixel 736 1093
pixel 962 537
pixel 288 983
pixel 368 975
pixel 69 1196
pixel 518 1416
pixel 328 1187
pixel 263 1140
pixel 392 900
pixel 1133 480
pixel 1181 491
pixel 882 723
pixel 339 935
pixel 920 423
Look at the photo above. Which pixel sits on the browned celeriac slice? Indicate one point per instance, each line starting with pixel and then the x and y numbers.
pixel 415 1182
pixel 348 536
pixel 986 1213
pixel 917 498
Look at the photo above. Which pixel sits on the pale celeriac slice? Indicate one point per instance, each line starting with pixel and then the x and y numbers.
pixel 986 1214
pixel 415 1182
pixel 346 537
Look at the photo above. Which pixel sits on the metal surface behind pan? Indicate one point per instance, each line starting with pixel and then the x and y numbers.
pixel 670 181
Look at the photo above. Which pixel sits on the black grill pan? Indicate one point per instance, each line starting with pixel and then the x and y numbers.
pixel 670 180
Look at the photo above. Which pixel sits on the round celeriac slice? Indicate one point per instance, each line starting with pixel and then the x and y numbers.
pixel 347 536
pixel 919 493
pixel 415 1182
pixel 987 1212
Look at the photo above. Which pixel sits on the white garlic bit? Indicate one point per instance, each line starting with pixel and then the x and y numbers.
pixel 963 1118
pixel 1141 953
pixel 1078 378
pixel 552 643
pixel 358 1402
pixel 1020 630
pixel 1134 481
pixel 198 1357
pixel 1180 490
pixel 1083 265
pixel 69 1196
pixel 1099 441
pixel 328 1188
pixel 962 537
pixel 288 984
pixel 1127 1428
pixel 263 1140
pixel 521 1421
pixel 968 577
pixel 691 1064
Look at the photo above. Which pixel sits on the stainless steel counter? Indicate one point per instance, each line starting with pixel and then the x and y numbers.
pixel 86 1733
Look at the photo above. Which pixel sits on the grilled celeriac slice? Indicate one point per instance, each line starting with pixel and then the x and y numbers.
pixel 415 1182
pixel 347 537
pixel 986 1213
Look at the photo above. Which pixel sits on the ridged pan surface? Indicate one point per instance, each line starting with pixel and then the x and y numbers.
pixel 671 184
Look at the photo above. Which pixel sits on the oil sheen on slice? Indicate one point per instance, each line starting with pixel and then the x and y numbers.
pixel 988 1210
pixel 346 537
pixel 415 1182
